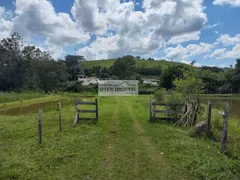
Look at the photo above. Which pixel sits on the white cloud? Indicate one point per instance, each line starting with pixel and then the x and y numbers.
pixel 226 54
pixel 183 53
pixel 189 62
pixel 220 65
pixel 119 29
pixel 5 25
pixel 212 26
pixel 90 15
pixel 217 53
pixel 184 37
pixel 234 3
pixel 38 17
pixel 139 32
pixel 117 45
pixel 226 40
pixel 181 17
pixel 2 11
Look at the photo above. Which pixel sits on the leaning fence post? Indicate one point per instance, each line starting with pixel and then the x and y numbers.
pixel 209 112
pixel 60 115
pixel 40 116
pixel 76 119
pixel 150 109
pixel 225 130
pixel 96 102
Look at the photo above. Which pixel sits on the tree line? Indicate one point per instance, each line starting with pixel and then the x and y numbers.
pixel 25 67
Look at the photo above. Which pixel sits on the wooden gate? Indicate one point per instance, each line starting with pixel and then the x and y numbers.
pixel 79 111
pixel 172 114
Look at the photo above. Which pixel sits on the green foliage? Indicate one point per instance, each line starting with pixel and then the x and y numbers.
pixel 169 75
pixel 149 71
pixel 189 86
pixel 12 64
pixel 160 95
pixel 124 67
pixel 29 68
pixel 174 98
pixel 73 63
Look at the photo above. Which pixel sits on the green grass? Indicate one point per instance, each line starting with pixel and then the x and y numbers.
pixel 139 63
pixel 123 144
pixel 221 95
pixel 12 97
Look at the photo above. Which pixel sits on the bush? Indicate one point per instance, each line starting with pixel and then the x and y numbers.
pixel 160 95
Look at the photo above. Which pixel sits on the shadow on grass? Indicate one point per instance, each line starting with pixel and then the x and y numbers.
pixel 87 122
pixel 163 121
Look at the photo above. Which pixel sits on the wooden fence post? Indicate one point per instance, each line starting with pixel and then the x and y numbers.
pixel 60 115
pixel 225 130
pixel 40 119
pixel 76 119
pixel 96 101
pixel 209 113
pixel 154 110
pixel 150 109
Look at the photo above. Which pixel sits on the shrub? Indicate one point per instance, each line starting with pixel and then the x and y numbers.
pixel 160 95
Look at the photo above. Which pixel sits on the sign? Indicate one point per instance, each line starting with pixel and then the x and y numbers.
pixel 118 88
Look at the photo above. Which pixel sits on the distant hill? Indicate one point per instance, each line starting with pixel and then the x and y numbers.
pixel 139 63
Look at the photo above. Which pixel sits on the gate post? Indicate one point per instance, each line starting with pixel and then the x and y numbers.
pixel 76 119
pixel 150 109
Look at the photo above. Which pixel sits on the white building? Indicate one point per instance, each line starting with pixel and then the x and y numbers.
pixel 151 82
pixel 87 80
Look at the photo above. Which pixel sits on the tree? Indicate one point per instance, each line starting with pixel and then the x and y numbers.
pixel 73 63
pixel 169 75
pixel 50 73
pixel 104 73
pixel 149 71
pixel 96 70
pixel 234 78
pixel 193 62
pixel 190 88
pixel 124 67
pixel 12 64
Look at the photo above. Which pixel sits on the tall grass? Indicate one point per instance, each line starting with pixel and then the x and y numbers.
pixel 12 96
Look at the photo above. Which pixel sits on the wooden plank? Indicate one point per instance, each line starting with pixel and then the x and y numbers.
pixel 96 102
pixel 168 112
pixel 87 111
pixel 60 115
pixel 150 110
pixel 40 119
pixel 209 112
pixel 224 131
pixel 167 119
pixel 154 111
pixel 87 103
pixel 87 118
pixel 164 104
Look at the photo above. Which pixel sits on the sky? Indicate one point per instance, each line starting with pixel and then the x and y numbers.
pixel 206 31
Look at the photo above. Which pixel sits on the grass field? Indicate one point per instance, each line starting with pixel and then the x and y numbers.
pixel 139 63
pixel 123 144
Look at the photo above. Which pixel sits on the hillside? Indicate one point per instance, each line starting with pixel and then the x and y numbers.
pixel 139 63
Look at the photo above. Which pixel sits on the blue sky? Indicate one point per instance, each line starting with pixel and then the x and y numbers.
pixel 183 30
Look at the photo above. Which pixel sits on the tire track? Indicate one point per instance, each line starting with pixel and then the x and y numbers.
pixel 108 157
pixel 155 157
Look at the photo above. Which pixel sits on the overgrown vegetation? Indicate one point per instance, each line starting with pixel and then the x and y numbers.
pixel 28 68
